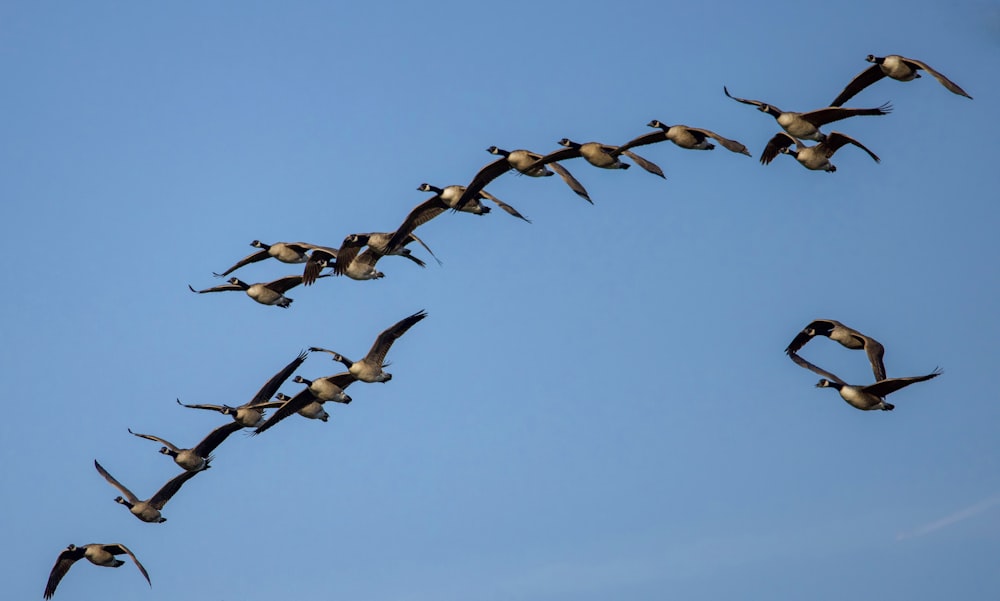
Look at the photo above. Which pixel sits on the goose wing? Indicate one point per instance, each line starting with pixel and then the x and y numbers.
pixel 952 86
pixel 815 369
pixel 318 259
pixel 830 114
pixel 111 480
pixel 219 408
pixel 421 214
pixel 349 249
pixel 506 207
pixel 220 288
pixel 816 325
pixel 731 145
pixel 300 400
pixel 486 175
pixel 119 549
pixel 165 443
pixel 271 386
pixel 756 103
pixel 376 355
pixel 775 145
pixel 886 387
pixel 643 140
pixel 861 81
pixel 215 438
pixel 251 258
pixel 63 563
pixel 283 285
pixel 836 140
pixel 169 489
pixel 556 155
pixel 646 164
pixel 571 181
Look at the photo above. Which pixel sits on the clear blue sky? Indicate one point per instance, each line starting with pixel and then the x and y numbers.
pixel 597 406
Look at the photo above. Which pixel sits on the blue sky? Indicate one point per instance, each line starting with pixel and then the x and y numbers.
pixel 597 405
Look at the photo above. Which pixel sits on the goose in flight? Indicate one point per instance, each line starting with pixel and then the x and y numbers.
pixel 865 398
pixel 266 293
pixel 519 160
pixel 691 138
pixel 805 126
pixel 286 252
pixel 370 369
pixel 148 510
pixel 847 337
pixel 816 157
pixel 97 554
pixel 198 457
pixel 309 401
pixel 600 155
pixel 895 67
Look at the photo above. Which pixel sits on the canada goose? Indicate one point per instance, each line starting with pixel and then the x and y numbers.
pixel 815 157
pixel 691 138
pixel 897 67
pixel 444 199
pixel 866 398
pixel 805 126
pixel 309 401
pixel 251 413
pixel 198 457
pixel 600 155
pixel 286 252
pixel 97 554
pixel 519 160
pixel 269 293
pixel 847 337
pixel 148 510
pixel 370 369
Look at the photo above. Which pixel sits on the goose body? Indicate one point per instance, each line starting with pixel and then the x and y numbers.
pixel 691 138
pixel 872 396
pixel 97 554
pixel 265 293
pixel 524 162
pixel 286 252
pixel 895 67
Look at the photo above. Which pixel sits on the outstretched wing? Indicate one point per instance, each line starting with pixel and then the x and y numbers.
pixel 111 480
pixel 836 140
pixel 486 175
pixel 118 549
pixel 271 386
pixel 815 369
pixel 830 114
pixel 885 387
pixel 300 400
pixel 731 145
pixel 775 145
pixel 169 489
pixel 64 562
pixel 506 207
pixel 376 355
pixel 571 181
pixel 952 86
pixel 861 81
pixel 648 165
pixel 215 438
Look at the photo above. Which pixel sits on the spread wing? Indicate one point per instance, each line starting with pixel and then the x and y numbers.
pixel 349 249
pixel 486 175
pixel 885 387
pixel 643 140
pixel 756 103
pixel 506 207
pixel 952 86
pixel 251 258
pixel 836 140
pixel 111 480
pixel 731 145
pixel 271 386
pixel 815 369
pixel 318 260
pixel 283 285
pixel 221 288
pixel 64 562
pixel 571 181
pixel 300 400
pixel 861 81
pixel 421 214
pixel 215 438
pixel 169 489
pixel 648 165
pixel 376 355
pixel 836 113
pixel 118 549
pixel 156 439
pixel 219 408
pixel 774 146
pixel 557 155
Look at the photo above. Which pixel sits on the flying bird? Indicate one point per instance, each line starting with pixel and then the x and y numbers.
pixel 148 510
pixel 97 554
pixel 865 398
pixel 519 160
pixel 896 67
pixel 805 126
pixel 691 138
pixel 268 293
pixel 251 413
pixel 370 369
pixel 597 154
pixel 198 457
pixel 286 252
pixel 815 157
pixel 309 401
pixel 846 336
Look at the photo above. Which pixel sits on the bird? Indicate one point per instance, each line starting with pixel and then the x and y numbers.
pixel 251 413
pixel 96 553
pixel 370 369
pixel 597 154
pixel 684 136
pixel 866 398
pixel 148 510
pixel 847 337
pixel 269 293
pixel 345 260
pixel 805 126
pixel 519 160
pixel 198 457
pixel 444 199
pixel 286 252
pixel 896 67
pixel 815 157
pixel 309 401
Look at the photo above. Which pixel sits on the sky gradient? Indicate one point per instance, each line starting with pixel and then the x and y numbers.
pixel 597 405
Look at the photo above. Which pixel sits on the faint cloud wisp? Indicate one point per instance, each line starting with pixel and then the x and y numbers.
pixel 949 520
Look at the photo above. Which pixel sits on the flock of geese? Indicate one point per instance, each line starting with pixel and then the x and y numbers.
pixel 358 254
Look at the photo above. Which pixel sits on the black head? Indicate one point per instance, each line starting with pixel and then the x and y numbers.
pixel 659 124
pixel 165 450
pixel 300 380
pixel 568 143
pixel 259 244
pixel 495 150
pixel 871 58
